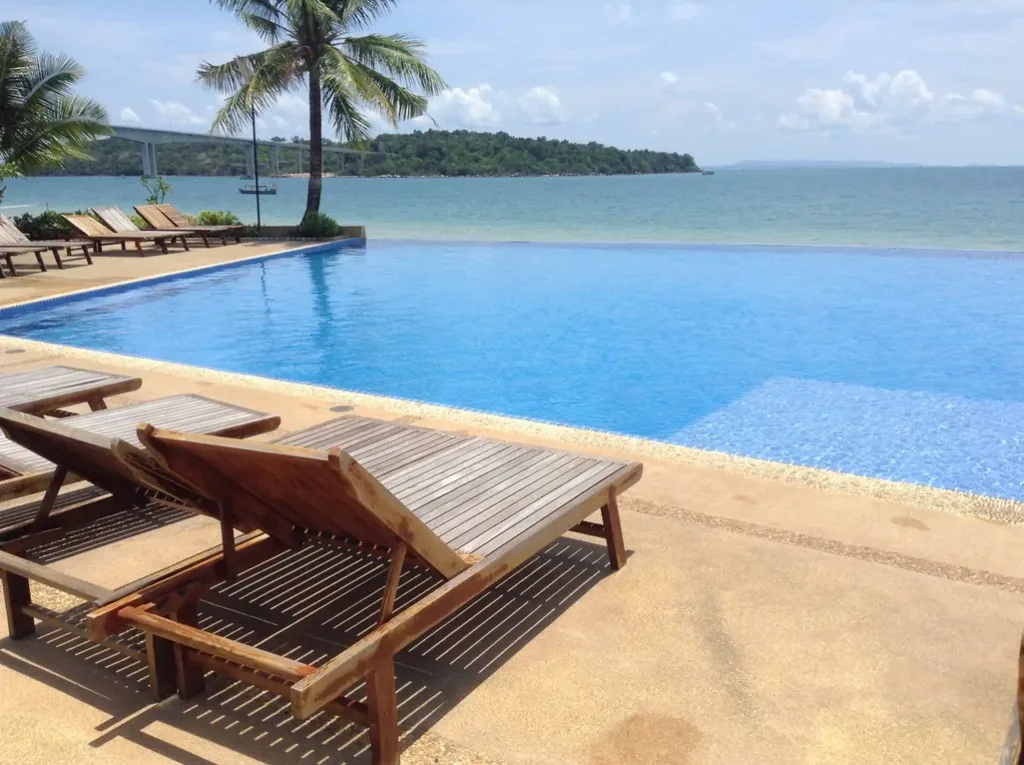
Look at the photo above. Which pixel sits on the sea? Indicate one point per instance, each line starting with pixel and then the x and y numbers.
pixel 970 208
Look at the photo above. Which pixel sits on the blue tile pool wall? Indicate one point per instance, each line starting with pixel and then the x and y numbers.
pixel 895 364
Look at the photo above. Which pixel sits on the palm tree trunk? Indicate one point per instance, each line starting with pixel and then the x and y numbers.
pixel 316 145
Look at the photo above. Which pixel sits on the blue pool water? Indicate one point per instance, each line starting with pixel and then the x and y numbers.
pixel 900 365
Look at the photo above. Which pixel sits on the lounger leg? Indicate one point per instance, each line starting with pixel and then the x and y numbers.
pixel 206 240
pixel 138 247
pixel 160 661
pixel 188 675
pixel 39 260
pixel 184 243
pixel 613 531
pixel 10 264
pixel 88 257
pixel 17 595
pixel 96 404
pixel 383 703
pixel 56 256
pixel 124 246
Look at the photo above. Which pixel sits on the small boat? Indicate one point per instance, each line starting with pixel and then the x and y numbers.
pixel 707 172
pixel 261 190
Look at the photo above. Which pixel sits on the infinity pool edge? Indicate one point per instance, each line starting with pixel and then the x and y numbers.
pixel 994 509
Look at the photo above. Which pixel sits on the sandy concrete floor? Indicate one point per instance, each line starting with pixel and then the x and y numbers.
pixel 114 265
pixel 802 625
pixel 757 620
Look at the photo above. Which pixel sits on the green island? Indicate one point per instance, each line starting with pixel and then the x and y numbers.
pixel 431 153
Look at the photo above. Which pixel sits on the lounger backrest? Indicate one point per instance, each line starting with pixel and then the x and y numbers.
pixel 175 217
pixel 9 233
pixel 154 217
pixel 321 492
pixel 116 219
pixel 88 225
pixel 101 460
pixel 85 454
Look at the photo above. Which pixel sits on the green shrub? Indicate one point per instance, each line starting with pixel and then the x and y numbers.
pixel 217 218
pixel 318 226
pixel 139 221
pixel 46 225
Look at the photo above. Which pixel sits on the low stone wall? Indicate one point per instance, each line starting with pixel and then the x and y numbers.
pixel 288 232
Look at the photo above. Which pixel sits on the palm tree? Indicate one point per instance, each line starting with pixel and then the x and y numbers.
pixel 313 46
pixel 42 122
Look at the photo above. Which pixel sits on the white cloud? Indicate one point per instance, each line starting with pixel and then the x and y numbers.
pixel 685 11
pixel 127 116
pixel 541 106
pixel 888 101
pixel 293 104
pixel 618 13
pixel 669 78
pixel 482 106
pixel 715 116
pixel 176 113
pixel 472 107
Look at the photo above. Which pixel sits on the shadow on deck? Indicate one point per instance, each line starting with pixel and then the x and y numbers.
pixel 308 605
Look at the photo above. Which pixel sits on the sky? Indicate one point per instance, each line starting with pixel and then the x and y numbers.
pixel 926 81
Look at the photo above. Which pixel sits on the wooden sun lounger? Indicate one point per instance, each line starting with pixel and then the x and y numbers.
pixel 46 390
pixel 98 234
pixel 120 223
pixel 157 218
pixel 181 221
pixel 470 510
pixel 29 472
pixel 13 242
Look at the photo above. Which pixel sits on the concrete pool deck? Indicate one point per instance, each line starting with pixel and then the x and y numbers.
pixel 757 619
pixel 113 266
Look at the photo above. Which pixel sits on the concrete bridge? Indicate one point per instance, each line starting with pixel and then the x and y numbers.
pixel 149 138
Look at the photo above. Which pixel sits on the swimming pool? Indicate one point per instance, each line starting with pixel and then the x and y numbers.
pixel 896 364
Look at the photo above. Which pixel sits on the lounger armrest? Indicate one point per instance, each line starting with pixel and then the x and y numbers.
pixel 51 577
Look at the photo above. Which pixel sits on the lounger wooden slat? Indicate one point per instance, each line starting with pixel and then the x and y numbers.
pixel 467 508
pixel 186 411
pixel 158 219
pixel 120 223
pixel 14 242
pixel 171 214
pixel 46 389
pixel 91 229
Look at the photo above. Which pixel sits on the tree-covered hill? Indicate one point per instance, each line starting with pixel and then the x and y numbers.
pixel 431 153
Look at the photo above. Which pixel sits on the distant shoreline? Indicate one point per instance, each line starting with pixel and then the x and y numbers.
pixel 388 177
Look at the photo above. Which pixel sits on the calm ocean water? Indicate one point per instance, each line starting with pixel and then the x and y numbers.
pixel 961 208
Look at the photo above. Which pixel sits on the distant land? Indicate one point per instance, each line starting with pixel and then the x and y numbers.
pixel 433 153
pixel 808 164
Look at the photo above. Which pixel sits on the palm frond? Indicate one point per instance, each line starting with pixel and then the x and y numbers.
pixel 64 130
pixel 253 82
pixel 42 122
pixel 50 77
pixel 313 23
pixel 400 56
pixel 343 105
pixel 267 9
pixel 358 14
pixel 375 89
pixel 267 30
